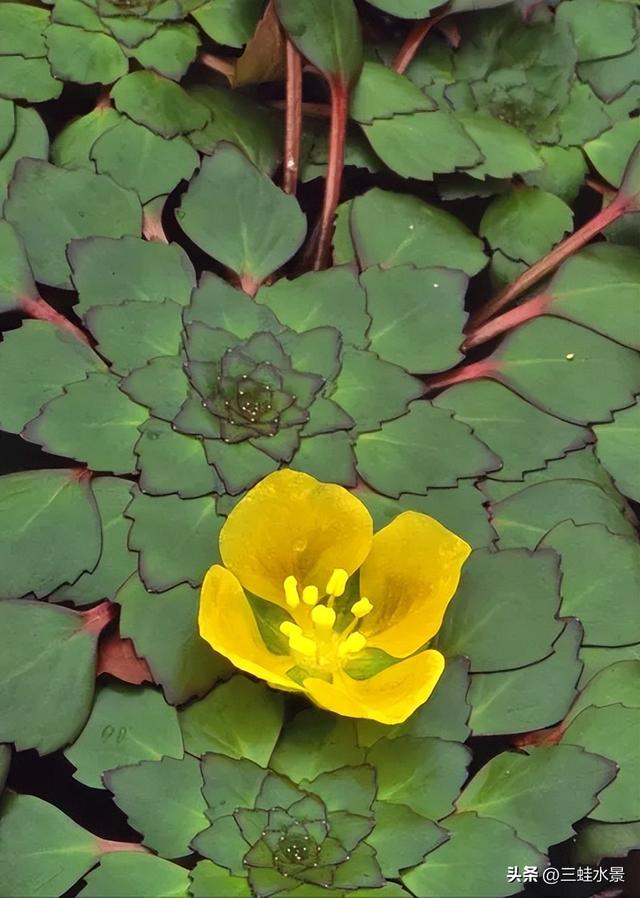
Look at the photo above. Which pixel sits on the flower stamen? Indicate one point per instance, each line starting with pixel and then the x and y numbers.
pixel 337 583
pixel 324 618
pixel 289 629
pixel 304 645
pixel 361 608
pixel 352 644
pixel 310 595
pixel 291 595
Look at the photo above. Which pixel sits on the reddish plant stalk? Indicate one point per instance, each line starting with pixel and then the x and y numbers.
pixel 293 119
pixel 413 42
pixel 310 110
pixel 224 66
pixel 538 305
pixel 38 308
pixel 475 371
pixel 335 165
pixel 107 846
pixel 97 618
pixel 552 260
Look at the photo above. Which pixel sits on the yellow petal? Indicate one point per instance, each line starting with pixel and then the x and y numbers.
pixel 226 622
pixel 410 576
pixel 388 697
pixel 290 524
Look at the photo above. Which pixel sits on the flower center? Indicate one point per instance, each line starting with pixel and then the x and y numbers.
pixel 315 639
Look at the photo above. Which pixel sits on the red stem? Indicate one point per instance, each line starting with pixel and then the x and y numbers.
pixel 96 619
pixel 538 305
pixel 107 846
pixel 224 66
pixel 38 308
pixel 413 41
pixel 556 257
pixel 293 119
pixel 335 165
pixel 484 368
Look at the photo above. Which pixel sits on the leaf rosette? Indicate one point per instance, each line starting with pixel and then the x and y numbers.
pixel 282 835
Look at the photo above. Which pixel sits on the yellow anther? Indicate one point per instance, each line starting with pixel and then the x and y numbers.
pixel 290 629
pixel 303 644
pixel 323 617
pixel 337 582
pixel 361 608
pixel 291 592
pixel 352 644
pixel 310 595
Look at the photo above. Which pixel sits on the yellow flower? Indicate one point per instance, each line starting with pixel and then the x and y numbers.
pixel 296 543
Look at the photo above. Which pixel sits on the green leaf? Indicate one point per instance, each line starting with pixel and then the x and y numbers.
pixel 171 462
pixel 52 530
pixel 5 764
pixel 407 9
pixel 42 851
pixel 351 789
pixel 610 151
pixel 229 784
pixel 519 433
pixel 137 158
pixel 328 457
pixel 116 561
pixel 596 659
pixel 381 93
pixel 515 593
pixel 616 683
pixel 240 466
pixel 611 732
pixel 30 138
pixel 424 774
pixel 170 51
pixel 402 838
pixel 72 146
pixel 133 333
pixel 50 206
pixel 16 280
pixel 405 456
pixel 238 119
pixel 315 742
pixel 181 553
pixel 164 631
pixel 563 172
pixel 92 422
pixel 422 144
pixel 372 390
pixel 600 581
pixel 257 227
pixel 7 124
pixel 598 840
pixel 417 316
pixel 163 801
pixel 240 719
pixel 540 792
pixel 78 14
pixel 331 298
pixel 529 698
pixel 616 449
pixel 159 104
pixel 127 724
pixel 523 518
pixel 137 876
pixel 444 715
pixel 547 361
pixel 598 288
pixel 47 672
pixel 526 223
pixel 109 272
pixel 327 33
pixel 161 385
pixel 85 57
pixel 229 22
pixel 22 30
pixel 28 79
pixel 390 229
pixel 56 358
pixel 505 149
pixel 208 879
pixel 600 28
pixel 473 861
